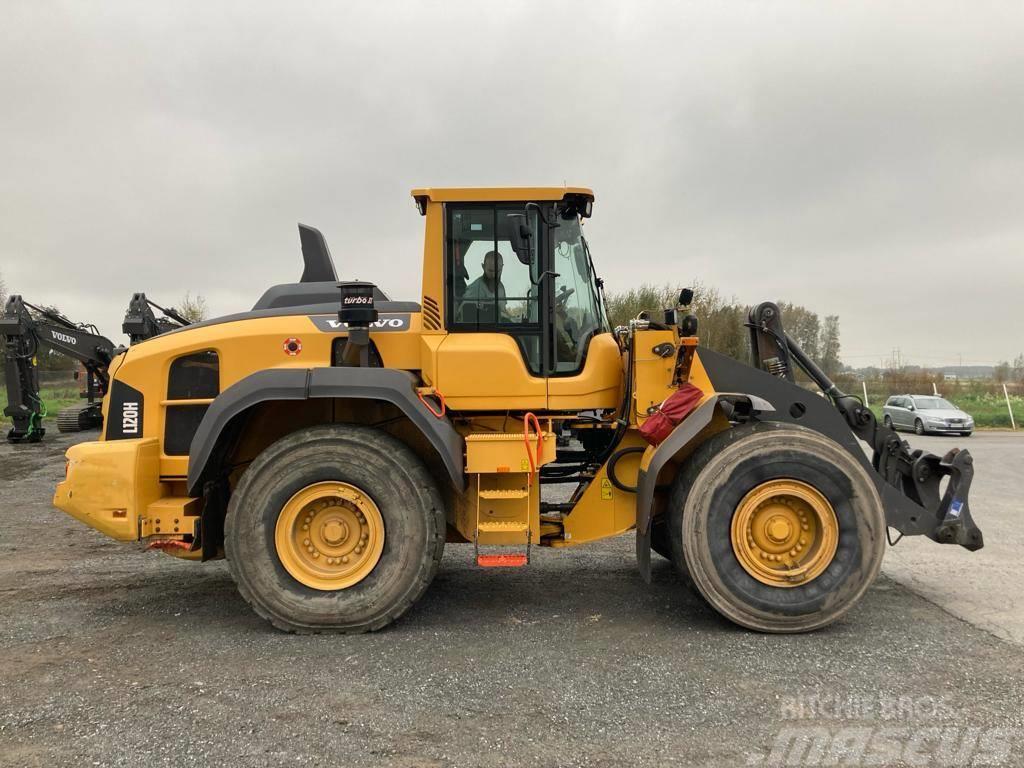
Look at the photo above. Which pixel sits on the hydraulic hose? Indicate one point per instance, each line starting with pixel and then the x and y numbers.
pixel 614 460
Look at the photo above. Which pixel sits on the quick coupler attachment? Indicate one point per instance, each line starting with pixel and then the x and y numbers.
pixel 957 526
pixel 911 484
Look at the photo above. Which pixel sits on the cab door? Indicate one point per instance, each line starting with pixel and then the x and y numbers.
pixel 492 357
pixel 585 370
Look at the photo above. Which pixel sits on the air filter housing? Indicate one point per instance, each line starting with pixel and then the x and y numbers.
pixel 357 304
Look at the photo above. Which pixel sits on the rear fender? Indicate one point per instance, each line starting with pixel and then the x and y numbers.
pixel 371 384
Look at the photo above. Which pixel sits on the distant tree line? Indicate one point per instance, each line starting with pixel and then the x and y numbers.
pixel 1006 372
pixel 722 321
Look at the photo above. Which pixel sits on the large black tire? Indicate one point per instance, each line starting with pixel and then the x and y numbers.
pixel 385 470
pixel 711 485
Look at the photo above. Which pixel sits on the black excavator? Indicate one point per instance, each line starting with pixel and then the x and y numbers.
pixel 28 330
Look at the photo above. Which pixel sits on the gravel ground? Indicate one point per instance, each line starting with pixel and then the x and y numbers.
pixel 116 657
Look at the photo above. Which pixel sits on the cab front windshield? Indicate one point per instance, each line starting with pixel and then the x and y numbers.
pixel 578 310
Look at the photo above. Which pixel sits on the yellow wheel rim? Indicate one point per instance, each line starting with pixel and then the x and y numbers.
pixel 784 533
pixel 329 536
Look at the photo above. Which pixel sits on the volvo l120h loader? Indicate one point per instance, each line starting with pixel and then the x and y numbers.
pixel 331 441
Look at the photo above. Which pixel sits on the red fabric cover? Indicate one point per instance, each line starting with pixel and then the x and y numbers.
pixel 673 410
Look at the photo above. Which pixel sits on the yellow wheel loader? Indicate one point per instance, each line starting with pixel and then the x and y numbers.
pixel 331 441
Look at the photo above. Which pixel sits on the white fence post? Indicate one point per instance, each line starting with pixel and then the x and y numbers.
pixel 935 390
pixel 865 385
pixel 1006 394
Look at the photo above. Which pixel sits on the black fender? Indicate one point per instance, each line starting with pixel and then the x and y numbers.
pixel 686 433
pixel 381 384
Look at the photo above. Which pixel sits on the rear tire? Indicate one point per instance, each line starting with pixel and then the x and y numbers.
pixel 394 482
pixel 918 427
pixel 719 477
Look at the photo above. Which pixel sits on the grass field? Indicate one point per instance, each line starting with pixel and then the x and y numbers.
pixel 54 398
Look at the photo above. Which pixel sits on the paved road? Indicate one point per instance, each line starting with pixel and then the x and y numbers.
pixel 986 587
pixel 114 656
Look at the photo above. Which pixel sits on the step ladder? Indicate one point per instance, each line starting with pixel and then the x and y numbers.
pixel 506 467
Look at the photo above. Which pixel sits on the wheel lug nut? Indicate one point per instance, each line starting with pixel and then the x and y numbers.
pixel 805 526
pixel 305 542
pixel 344 559
pixel 315 554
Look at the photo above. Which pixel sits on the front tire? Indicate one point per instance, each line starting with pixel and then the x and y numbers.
pixel 918 427
pixel 334 528
pixel 779 528
pixel 887 421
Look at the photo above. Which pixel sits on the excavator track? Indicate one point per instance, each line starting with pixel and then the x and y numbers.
pixel 78 418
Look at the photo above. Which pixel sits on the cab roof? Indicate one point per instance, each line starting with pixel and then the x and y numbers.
pixel 498 194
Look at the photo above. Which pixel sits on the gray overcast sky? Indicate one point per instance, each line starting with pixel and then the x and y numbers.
pixel 864 159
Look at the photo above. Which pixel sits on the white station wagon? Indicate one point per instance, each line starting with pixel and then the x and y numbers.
pixel 926 413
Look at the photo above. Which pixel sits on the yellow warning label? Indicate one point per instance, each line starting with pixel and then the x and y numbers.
pixel 606 489
pixel 525 466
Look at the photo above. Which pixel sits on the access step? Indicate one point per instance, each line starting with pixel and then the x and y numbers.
pixel 502 561
pixel 503 495
pixel 502 526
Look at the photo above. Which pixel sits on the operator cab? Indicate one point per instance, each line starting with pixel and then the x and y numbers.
pixel 524 269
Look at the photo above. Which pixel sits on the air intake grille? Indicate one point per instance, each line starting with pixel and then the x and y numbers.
pixel 431 314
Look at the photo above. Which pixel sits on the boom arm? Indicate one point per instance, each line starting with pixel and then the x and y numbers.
pixel 141 323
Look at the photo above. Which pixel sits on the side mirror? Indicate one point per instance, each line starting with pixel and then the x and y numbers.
pixel 911 407
pixel 520 236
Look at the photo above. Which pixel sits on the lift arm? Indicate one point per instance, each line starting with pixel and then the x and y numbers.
pixel 920 506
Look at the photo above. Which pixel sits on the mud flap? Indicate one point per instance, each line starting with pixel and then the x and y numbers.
pixel 643 554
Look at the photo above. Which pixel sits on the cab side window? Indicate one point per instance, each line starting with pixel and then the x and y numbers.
pixel 489 286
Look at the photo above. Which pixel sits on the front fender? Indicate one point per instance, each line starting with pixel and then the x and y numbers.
pixel 690 432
